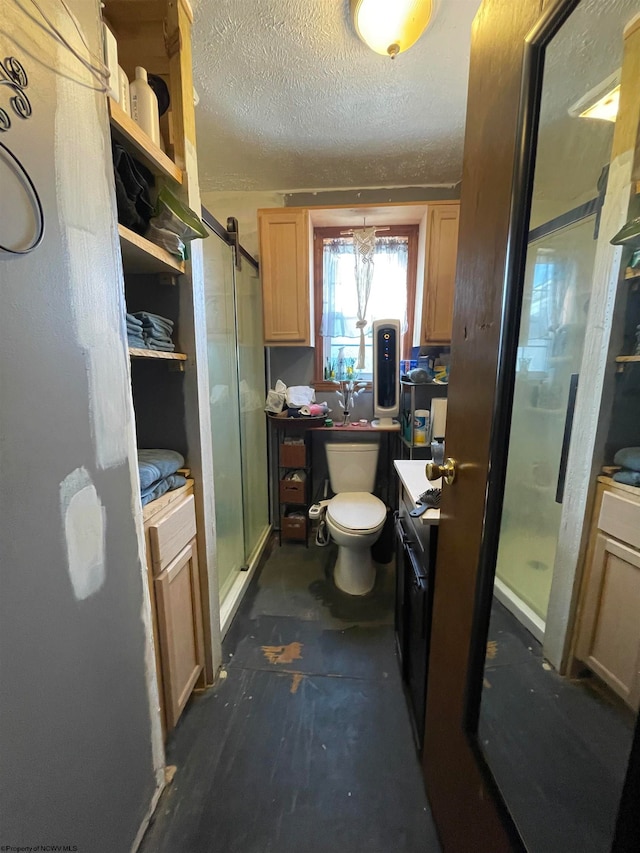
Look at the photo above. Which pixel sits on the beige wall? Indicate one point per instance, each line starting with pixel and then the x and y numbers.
pixel 244 206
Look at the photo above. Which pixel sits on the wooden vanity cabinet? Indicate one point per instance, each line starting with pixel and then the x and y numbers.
pixel 440 273
pixel 174 584
pixel 608 635
pixel 285 257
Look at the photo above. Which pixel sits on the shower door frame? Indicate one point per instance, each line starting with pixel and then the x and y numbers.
pixel 250 560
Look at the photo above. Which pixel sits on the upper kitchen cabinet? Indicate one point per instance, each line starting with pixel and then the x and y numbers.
pixel 440 273
pixel 285 254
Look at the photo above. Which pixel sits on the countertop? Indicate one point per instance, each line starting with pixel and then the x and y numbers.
pixel 413 477
pixel 356 427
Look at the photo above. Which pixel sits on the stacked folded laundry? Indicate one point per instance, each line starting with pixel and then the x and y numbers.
pixel 629 460
pixel 156 330
pixel 135 336
pixel 158 475
pixel 150 331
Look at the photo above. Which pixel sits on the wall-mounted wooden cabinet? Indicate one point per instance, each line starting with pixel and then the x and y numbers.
pixel 608 636
pixel 285 251
pixel 287 280
pixel 440 273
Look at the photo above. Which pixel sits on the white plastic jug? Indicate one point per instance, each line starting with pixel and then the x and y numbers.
pixel 144 105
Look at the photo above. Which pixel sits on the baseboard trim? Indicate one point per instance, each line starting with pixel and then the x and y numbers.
pixel 523 613
pixel 160 786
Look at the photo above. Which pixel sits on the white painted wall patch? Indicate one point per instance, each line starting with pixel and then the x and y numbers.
pixel 84 521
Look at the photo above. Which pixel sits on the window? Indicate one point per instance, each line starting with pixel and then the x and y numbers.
pixel 392 295
pixel 553 310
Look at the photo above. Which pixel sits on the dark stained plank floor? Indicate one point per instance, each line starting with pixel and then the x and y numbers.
pixel 557 748
pixel 306 745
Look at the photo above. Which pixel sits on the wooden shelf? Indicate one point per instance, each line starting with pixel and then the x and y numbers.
pixel 140 146
pixel 631 273
pixel 414 446
pixel 135 352
pixel 161 503
pixel 623 359
pixel 140 255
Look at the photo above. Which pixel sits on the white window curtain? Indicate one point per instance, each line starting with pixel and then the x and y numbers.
pixel 349 312
pixel 364 246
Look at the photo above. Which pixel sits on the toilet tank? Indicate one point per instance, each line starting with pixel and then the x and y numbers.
pixel 352 466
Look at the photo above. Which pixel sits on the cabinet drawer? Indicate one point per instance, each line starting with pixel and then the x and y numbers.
pixel 293 455
pixel 169 535
pixel 292 491
pixel 620 518
pixel 294 528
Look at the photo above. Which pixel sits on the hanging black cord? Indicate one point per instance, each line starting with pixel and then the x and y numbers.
pixel 25 179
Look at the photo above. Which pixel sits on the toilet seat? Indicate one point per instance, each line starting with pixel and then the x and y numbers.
pixel 357 512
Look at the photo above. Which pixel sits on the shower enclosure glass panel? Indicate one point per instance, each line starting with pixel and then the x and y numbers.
pixel 253 426
pixel 556 298
pixel 223 398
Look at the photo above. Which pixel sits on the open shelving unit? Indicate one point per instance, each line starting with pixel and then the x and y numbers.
pixel 140 146
pixel 415 396
pixel 142 257
pixel 156 35
pixel 136 352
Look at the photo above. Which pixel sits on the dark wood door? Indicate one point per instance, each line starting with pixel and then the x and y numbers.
pixel 506 61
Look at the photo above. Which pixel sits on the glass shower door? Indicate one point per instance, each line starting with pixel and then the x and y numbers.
pixel 253 427
pixel 559 273
pixel 223 400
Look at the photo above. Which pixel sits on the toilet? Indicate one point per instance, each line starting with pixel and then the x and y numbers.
pixel 355 517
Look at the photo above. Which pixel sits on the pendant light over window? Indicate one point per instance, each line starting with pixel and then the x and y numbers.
pixel 390 27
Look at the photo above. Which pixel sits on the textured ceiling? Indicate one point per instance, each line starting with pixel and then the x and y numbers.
pixel 290 98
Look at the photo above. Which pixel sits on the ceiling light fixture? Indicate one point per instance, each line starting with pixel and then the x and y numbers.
pixel 390 27
pixel 600 102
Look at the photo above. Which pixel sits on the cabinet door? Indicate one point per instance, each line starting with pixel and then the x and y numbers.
pixel 609 637
pixel 180 628
pixel 440 277
pixel 284 266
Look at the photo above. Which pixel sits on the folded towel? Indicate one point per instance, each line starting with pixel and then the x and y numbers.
pixel 155 464
pixel 147 318
pixel 629 478
pixel 160 346
pixel 157 489
pixel 136 342
pixel 133 321
pixel 628 457
pixel 157 328
pixel 163 339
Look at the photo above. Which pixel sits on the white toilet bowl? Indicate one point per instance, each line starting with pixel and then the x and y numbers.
pixel 355 521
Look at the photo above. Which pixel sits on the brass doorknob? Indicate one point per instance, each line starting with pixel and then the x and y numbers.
pixel 447 471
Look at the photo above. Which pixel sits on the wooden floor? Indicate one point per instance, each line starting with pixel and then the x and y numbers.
pixel 558 748
pixel 306 745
